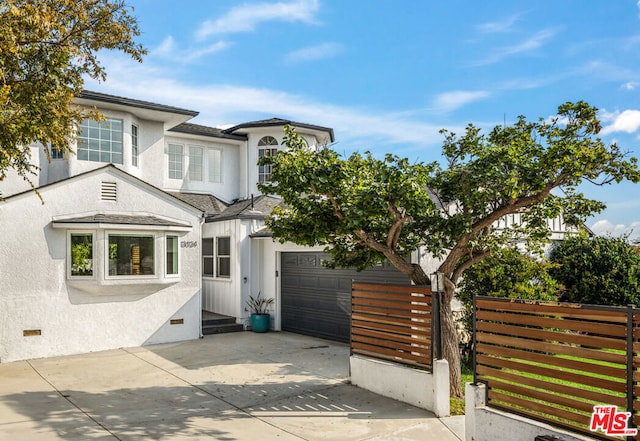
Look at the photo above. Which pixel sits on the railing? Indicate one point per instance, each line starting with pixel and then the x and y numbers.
pixel 392 322
pixel 554 362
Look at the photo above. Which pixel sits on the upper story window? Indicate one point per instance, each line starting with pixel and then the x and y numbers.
pixel 134 145
pixel 195 163
pixel 100 141
pixel 176 158
pixel 267 146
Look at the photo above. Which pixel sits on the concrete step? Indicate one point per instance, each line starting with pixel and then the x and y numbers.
pixel 213 323
pixel 221 328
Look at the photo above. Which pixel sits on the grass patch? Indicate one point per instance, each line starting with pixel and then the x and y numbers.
pixel 457 404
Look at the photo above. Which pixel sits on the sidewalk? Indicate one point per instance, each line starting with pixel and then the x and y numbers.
pixel 223 387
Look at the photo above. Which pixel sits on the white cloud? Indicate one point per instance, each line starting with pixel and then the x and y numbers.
pixel 448 101
pixel 167 47
pixel 314 53
pixel 170 50
pixel 535 42
pixel 627 121
pixel 194 54
pixel 607 228
pixel 505 25
pixel 245 18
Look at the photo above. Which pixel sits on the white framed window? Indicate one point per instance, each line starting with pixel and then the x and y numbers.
pixel 56 153
pixel 216 257
pixel 195 163
pixel 215 165
pixel 207 257
pixel 267 146
pixel 81 254
pixel 134 145
pixel 175 153
pixel 100 141
pixel 172 267
pixel 223 257
pixel 131 254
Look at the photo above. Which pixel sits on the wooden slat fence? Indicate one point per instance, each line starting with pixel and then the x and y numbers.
pixel 554 361
pixel 392 322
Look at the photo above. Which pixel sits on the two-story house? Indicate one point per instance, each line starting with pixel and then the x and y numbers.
pixel 151 221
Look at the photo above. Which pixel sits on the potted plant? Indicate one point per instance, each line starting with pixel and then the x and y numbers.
pixel 260 317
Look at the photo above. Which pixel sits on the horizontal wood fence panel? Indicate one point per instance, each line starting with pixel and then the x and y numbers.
pixel 556 337
pixel 560 310
pixel 537 351
pixel 578 392
pixel 392 322
pixel 603 329
pixel 388 354
pixel 543 396
pixel 572 377
pixel 419 331
pixel 555 361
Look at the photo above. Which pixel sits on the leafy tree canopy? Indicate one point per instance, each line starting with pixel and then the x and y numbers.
pixel 510 274
pixel 495 191
pixel 602 270
pixel 46 47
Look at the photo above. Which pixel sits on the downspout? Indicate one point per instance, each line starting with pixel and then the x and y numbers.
pixel 202 220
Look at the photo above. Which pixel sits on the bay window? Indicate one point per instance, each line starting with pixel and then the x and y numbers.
pixel 131 255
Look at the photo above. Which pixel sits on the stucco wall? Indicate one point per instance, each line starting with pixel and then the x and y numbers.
pixel 36 294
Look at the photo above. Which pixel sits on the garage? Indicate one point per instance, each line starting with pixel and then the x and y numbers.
pixel 316 300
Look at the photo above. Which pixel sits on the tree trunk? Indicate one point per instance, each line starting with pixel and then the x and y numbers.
pixel 450 348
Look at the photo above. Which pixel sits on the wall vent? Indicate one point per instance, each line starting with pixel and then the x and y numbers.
pixel 177 321
pixel 31 332
pixel 109 191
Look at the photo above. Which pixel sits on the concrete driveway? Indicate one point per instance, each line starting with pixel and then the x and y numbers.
pixel 239 386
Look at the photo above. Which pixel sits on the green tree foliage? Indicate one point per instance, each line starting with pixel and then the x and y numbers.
pixel 507 273
pixel 365 209
pixel 46 47
pixel 602 270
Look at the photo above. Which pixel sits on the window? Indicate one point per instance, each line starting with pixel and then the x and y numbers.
pixel 57 153
pixel 131 255
pixel 172 255
pixel 175 152
pixel 207 257
pixel 223 257
pixel 134 145
pixel 267 146
pixel 81 250
pixel 100 141
pixel 195 163
pixel 215 165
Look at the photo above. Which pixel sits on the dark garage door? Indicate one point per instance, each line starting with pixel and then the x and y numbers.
pixel 317 301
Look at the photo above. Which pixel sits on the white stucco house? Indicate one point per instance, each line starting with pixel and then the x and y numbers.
pixel 152 221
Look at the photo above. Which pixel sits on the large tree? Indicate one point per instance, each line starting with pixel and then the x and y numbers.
pixel 365 209
pixel 47 47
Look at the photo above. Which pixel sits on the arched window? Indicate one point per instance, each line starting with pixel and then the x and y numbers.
pixel 267 146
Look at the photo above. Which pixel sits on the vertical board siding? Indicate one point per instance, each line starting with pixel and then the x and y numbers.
pixel 555 361
pixel 392 323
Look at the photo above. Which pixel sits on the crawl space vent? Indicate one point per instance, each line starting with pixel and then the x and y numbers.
pixel 109 191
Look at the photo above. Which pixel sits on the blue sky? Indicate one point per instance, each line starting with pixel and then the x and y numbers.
pixel 387 75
